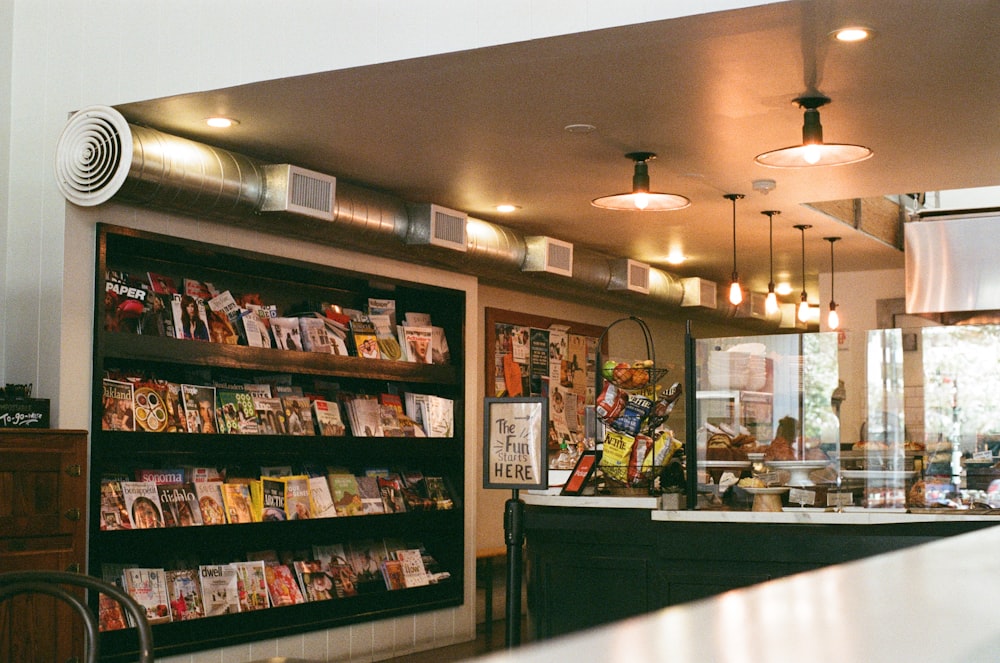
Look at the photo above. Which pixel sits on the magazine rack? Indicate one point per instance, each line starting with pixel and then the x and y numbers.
pixel 286 282
pixel 632 479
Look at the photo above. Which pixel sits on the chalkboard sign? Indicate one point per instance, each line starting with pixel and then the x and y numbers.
pixel 514 437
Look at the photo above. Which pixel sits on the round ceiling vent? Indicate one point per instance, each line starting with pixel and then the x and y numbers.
pixel 93 156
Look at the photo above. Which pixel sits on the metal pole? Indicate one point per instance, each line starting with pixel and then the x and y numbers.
pixel 513 526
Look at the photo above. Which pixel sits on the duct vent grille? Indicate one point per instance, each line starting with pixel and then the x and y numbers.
pixel 546 254
pixel 699 292
pixel 294 189
pixel 628 274
pixel 93 156
pixel 438 226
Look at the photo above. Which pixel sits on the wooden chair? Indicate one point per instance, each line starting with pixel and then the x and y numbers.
pixel 57 584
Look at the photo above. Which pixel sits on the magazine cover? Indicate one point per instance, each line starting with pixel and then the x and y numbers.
pixel 190 318
pixel 236 499
pixel 199 408
pixel 149 588
pixel 282 586
pixel 142 500
pixel 298 415
pixel 270 415
pixel 326 415
pixel 287 335
pixel 414 574
pixel 272 499
pixel 184 594
pixel 185 503
pixel 251 585
pixel 314 581
pixel 366 557
pixel 211 503
pixel 296 497
pixel 346 500
pixel 114 514
pixel 370 495
pixel 320 499
pixel 117 404
pixel 218 589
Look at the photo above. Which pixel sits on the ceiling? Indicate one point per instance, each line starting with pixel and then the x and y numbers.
pixel 707 93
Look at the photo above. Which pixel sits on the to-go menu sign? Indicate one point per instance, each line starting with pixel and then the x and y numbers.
pixel 514 443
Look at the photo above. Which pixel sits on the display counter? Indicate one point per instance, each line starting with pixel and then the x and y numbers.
pixel 595 560
pixel 926 603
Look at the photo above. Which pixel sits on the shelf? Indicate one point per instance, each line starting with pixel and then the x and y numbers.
pixel 290 286
pixel 134 348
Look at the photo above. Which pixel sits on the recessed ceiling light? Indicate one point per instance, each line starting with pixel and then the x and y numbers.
pixel 507 208
pixel 676 257
pixel 221 122
pixel 783 288
pixel 580 128
pixel 852 33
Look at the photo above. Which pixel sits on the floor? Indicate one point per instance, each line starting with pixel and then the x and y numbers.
pixel 484 643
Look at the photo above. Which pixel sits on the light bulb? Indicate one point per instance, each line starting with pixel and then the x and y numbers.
pixel 803 310
pixel 735 293
pixel 641 200
pixel 771 303
pixel 833 319
pixel 812 153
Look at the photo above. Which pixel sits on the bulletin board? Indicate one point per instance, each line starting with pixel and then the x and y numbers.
pixel 554 358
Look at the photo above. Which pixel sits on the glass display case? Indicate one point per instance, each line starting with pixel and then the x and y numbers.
pixel 766 418
pixel 921 433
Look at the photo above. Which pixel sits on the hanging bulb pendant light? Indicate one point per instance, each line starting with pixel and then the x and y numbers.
pixel 813 151
pixel 833 318
pixel 771 302
pixel 641 199
pixel 735 289
pixel 803 313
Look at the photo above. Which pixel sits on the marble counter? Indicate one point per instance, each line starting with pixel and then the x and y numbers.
pixel 850 516
pixel 931 602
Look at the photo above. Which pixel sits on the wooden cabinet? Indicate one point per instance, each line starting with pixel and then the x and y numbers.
pixel 43 487
pixel 287 284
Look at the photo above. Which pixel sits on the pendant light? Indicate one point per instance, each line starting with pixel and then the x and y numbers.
pixel 641 199
pixel 771 303
pixel 735 290
pixel 813 151
pixel 803 314
pixel 833 318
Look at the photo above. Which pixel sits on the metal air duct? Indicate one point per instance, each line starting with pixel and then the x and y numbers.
pixel 101 156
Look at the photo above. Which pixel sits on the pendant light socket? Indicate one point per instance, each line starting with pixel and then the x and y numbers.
pixel 833 318
pixel 803 312
pixel 813 151
pixel 771 302
pixel 641 199
pixel 735 289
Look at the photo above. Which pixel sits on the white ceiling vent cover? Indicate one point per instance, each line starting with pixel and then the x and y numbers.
pixel 437 226
pixel 628 274
pixel 546 254
pixel 298 190
pixel 93 155
pixel 699 292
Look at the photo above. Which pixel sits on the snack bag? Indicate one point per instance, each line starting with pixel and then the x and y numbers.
pixel 616 456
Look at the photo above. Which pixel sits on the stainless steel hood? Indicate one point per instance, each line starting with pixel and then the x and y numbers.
pixel 953 266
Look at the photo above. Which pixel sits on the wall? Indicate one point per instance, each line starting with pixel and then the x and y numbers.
pixel 57 56
pixel 856 303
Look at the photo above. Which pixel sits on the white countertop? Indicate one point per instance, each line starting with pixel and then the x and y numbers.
pixel 933 602
pixel 856 516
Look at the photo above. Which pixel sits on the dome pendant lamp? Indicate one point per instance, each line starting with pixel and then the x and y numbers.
pixel 735 289
pixel 803 314
pixel 771 303
pixel 641 199
pixel 813 151
pixel 833 318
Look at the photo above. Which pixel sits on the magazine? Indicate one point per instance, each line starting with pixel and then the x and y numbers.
pixel 184 594
pixel 251 585
pixel 142 500
pixel 118 407
pixel 219 592
pixel 149 589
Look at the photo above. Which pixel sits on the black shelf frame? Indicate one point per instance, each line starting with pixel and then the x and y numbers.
pixel 442 532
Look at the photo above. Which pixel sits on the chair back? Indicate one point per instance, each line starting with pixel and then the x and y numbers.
pixel 57 584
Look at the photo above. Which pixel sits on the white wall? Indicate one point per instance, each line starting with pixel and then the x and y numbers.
pixel 57 56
